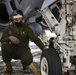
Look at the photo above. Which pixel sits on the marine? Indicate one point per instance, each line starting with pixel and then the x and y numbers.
pixel 15 43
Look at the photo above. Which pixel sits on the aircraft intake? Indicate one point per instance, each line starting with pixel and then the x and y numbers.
pixel 36 27
pixel 4 17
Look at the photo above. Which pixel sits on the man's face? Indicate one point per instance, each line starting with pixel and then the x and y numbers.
pixel 17 20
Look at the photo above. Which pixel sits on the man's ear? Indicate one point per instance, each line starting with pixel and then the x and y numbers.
pixel 11 19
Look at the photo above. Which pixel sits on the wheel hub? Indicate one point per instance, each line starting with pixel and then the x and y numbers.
pixel 44 66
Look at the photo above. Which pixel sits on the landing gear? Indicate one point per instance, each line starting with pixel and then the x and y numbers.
pixel 50 62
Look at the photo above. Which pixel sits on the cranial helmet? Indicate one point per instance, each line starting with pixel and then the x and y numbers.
pixel 16 14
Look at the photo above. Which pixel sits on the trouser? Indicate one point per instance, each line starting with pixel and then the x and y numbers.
pixel 10 51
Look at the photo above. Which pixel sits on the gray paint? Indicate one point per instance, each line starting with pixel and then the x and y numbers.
pixel 28 6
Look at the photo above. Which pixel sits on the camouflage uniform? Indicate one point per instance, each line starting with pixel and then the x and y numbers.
pixel 19 51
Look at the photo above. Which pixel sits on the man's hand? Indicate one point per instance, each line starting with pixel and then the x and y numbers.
pixel 14 39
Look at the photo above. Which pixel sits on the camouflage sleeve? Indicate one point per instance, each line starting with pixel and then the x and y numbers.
pixel 35 39
pixel 4 37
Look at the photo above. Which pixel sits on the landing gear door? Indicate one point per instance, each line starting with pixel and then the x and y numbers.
pixel 47 3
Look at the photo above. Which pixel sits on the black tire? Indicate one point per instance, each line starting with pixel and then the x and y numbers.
pixel 50 63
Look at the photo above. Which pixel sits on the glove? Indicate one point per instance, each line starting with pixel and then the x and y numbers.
pixel 45 48
pixel 14 39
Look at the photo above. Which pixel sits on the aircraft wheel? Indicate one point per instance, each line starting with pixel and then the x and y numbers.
pixel 50 63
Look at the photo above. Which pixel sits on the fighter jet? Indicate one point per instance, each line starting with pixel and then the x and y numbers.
pixel 31 10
